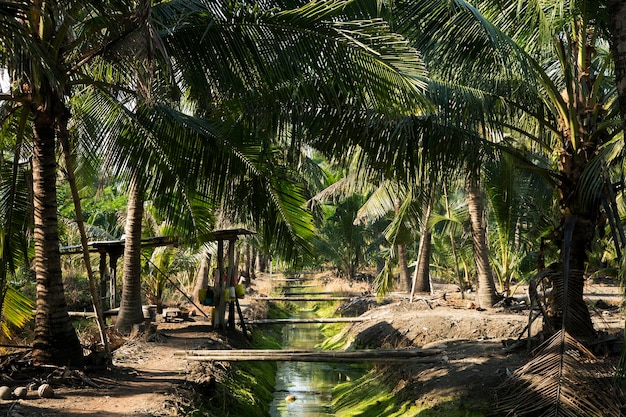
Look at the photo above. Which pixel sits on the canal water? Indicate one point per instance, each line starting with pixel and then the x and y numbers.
pixel 304 389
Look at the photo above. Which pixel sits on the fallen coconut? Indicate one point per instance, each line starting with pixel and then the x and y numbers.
pixel 20 392
pixel 5 393
pixel 45 391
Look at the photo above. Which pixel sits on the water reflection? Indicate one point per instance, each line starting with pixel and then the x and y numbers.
pixel 303 389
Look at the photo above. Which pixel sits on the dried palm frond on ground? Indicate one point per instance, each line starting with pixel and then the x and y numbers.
pixel 564 379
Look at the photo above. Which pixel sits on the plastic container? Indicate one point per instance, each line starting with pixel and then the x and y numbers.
pixel 240 291
pixel 210 294
pixel 202 295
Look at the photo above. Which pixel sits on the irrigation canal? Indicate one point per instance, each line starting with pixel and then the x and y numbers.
pixel 304 389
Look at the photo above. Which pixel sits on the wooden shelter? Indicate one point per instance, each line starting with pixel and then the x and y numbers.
pixel 114 249
pixel 224 279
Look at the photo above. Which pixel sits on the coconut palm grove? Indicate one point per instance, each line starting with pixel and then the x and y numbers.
pixel 151 149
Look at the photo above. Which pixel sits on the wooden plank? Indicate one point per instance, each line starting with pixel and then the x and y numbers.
pixel 290 286
pixel 302 355
pixel 361 353
pixel 318 299
pixel 304 294
pixel 313 320
pixel 312 358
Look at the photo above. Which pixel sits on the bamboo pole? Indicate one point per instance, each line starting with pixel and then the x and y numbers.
pixel 252 354
pixel 303 294
pixel 315 358
pixel 316 299
pixel 315 320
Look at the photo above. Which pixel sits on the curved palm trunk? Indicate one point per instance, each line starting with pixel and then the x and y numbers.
pixel 130 307
pixel 487 296
pixel 97 304
pixel 56 341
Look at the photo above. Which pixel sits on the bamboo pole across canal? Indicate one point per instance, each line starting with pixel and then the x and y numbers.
pixel 300 355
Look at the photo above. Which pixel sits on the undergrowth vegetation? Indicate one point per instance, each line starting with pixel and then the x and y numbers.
pixel 379 394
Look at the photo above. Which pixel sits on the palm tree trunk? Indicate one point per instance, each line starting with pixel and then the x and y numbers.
pixel 97 304
pixel 202 278
pixel 422 271
pixel 130 307
pixel 403 264
pixel 455 256
pixel 487 296
pixel 617 26
pixel 55 341
pixel 571 312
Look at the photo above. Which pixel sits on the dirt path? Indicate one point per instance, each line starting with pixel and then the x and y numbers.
pixel 146 374
pixel 141 384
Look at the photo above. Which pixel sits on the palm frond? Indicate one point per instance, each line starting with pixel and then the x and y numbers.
pixel 382 201
pixel 564 379
pixel 384 282
pixel 17 310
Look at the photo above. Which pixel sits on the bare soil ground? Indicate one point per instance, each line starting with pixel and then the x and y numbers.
pixel 147 375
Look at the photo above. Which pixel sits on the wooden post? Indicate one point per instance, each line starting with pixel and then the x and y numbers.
pixel 218 296
pixel 231 281
pixel 113 257
pixel 104 276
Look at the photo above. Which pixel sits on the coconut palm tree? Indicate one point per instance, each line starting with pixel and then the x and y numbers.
pixel 518 210
pixel 617 28
pixel 486 295
pixel 44 54
pixel 280 77
pixel 552 69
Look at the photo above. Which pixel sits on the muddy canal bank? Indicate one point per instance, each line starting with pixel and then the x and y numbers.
pixel 148 379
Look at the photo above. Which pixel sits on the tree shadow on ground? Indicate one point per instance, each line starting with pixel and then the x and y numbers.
pixel 465 376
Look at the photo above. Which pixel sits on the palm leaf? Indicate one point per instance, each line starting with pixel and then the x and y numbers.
pixel 17 310
pixel 563 380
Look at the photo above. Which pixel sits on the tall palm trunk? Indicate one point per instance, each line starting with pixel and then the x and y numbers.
pixel 69 164
pixel 617 26
pixel 487 296
pixel 422 269
pixel 457 269
pixel 130 308
pixel 202 277
pixel 577 318
pixel 56 341
pixel 403 264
